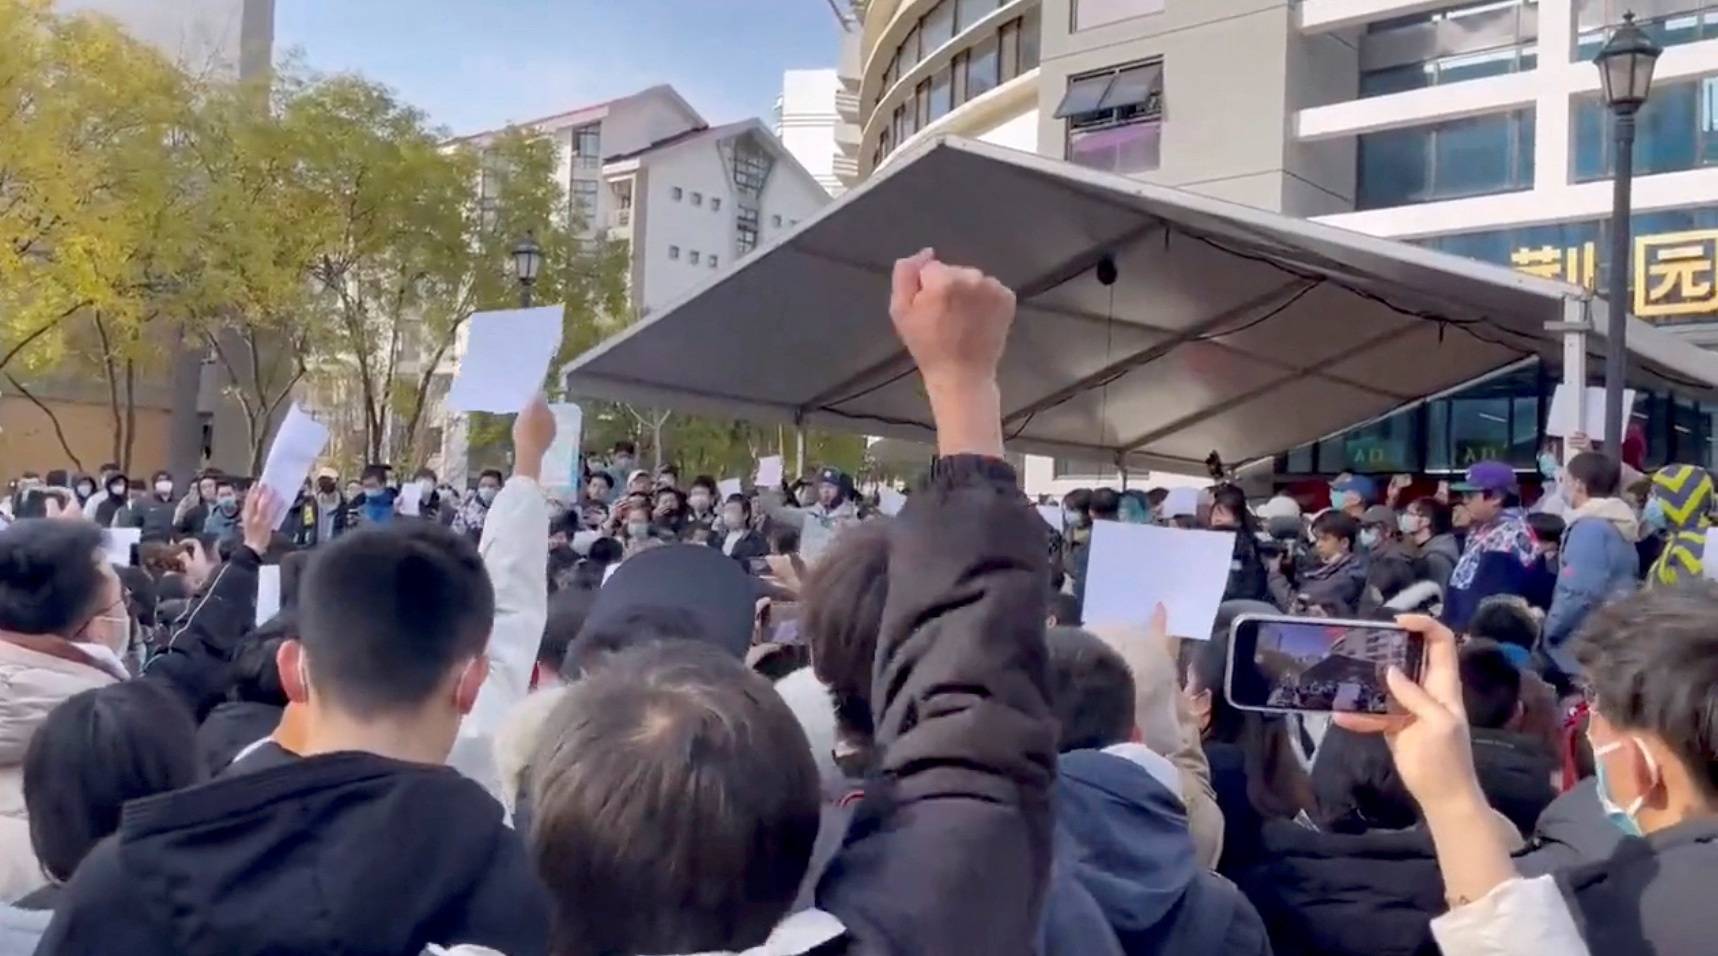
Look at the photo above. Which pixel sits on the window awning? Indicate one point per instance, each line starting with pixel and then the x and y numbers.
pixel 1228 329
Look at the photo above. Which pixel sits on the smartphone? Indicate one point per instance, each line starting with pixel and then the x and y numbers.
pixel 1315 665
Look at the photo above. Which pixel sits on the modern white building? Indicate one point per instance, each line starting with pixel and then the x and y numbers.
pixel 806 120
pixel 1470 126
pixel 689 199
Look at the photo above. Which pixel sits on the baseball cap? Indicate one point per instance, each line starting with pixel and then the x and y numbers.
pixel 832 476
pixel 1490 476
pixel 327 473
pixel 1361 485
pixel 1378 514
pixel 699 580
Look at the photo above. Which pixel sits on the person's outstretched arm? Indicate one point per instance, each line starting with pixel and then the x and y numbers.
pixel 195 664
pixel 950 849
pixel 512 546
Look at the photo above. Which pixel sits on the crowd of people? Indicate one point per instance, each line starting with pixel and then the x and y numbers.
pixel 646 717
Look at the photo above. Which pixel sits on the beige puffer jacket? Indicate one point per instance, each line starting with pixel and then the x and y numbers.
pixel 32 682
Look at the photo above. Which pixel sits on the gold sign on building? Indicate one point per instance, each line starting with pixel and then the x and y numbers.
pixel 1675 273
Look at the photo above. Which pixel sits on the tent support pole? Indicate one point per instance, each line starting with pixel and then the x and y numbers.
pixel 1574 326
pixel 799 450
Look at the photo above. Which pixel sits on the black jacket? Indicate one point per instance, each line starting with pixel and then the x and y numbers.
pixel 153 516
pixel 1337 894
pixel 1129 847
pixel 1651 895
pixel 1248 580
pixel 1358 789
pixel 949 851
pixel 751 545
pixel 196 661
pixel 348 853
pixel 230 728
pixel 1572 830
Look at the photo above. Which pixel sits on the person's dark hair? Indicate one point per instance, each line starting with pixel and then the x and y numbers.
pixel 255 671
pixel 1337 524
pixel 1651 663
pixel 568 608
pixel 1232 499
pixel 1106 504
pixel 110 466
pixel 424 473
pixel 1601 473
pixel 492 473
pixel 387 611
pixel 707 483
pixel 1091 691
pixel 606 551
pixel 49 579
pixel 1157 496
pixel 1505 619
pixel 1546 527
pixel 94 752
pixel 1490 685
pixel 647 624
pixel 566 523
pixel 643 850
pixel 669 469
pixel 1065 608
pixel 630 448
pixel 56 478
pixel 603 477
pixel 562 561
pixel 840 614
pixel 783 538
pixel 1080 499
pixel 1437 513
pixel 743 502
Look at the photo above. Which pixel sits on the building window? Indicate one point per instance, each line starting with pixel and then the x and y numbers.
pixel 698 199
pixel 969 12
pixel 746 229
pixel 673 252
pixel 1477 156
pixel 922 104
pixel 942 94
pixel 775 221
pixel 677 193
pixel 981 68
pixel 1677 129
pixel 938 25
pixel 1115 118
pixel 1668 22
pixel 1009 38
pixel 692 257
pixel 587 146
pixel 909 52
pixel 1096 13
pixel 712 262
pixel 751 165
pixel 585 199
pixel 1477 40
pixel 715 203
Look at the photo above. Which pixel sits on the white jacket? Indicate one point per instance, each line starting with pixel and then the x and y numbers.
pixel 1518 916
pixel 31 684
pixel 514 549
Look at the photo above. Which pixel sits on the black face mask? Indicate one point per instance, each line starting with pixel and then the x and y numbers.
pixel 325 486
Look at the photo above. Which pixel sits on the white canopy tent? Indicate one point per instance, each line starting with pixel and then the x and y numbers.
pixel 1226 328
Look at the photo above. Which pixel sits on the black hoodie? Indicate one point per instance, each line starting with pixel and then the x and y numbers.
pixel 349 853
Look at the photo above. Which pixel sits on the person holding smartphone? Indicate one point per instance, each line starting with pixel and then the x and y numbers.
pixel 1652 665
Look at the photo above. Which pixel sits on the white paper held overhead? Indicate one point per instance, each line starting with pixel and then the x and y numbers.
pixel 411 500
pixel 890 501
pixel 1561 420
pixel 729 488
pixel 1135 567
pixel 507 354
pixel 268 593
pixel 296 445
pixel 769 472
pixel 1052 515
pixel 561 461
pixel 118 542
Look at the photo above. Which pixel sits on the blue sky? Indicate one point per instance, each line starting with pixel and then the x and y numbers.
pixel 477 64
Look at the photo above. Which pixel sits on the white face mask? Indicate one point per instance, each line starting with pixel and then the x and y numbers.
pixel 163 488
pixel 1411 524
pixel 699 502
pixel 427 485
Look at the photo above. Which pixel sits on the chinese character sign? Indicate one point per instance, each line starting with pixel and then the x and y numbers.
pixel 1577 264
pixel 1676 274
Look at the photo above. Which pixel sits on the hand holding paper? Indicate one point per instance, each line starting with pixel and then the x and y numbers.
pixel 1133 568
pixel 296 445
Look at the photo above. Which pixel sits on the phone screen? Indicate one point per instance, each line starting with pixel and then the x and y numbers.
pixel 1319 666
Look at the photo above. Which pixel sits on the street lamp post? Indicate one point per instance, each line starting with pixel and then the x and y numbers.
pixel 527 262
pixel 1625 70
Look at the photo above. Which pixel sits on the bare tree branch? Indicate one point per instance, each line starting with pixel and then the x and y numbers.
pixel 53 419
